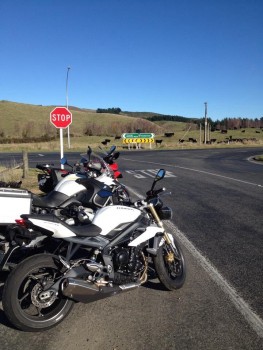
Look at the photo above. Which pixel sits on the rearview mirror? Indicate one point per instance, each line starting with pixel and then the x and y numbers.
pixel 112 149
pixel 160 175
pixel 63 161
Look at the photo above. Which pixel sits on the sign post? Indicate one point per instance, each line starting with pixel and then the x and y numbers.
pixel 61 118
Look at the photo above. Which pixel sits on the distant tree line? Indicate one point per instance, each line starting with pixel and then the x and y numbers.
pixel 226 123
pixel 238 123
pixel 109 110
pixel 174 118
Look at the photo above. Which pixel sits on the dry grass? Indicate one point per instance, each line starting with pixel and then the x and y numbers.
pixel 30 182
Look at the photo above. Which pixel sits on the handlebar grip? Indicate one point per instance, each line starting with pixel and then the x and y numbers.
pixel 160 190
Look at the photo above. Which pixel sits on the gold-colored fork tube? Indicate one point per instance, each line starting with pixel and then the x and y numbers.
pixel 159 222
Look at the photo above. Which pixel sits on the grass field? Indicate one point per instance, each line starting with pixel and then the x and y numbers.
pixel 18 120
pixel 22 120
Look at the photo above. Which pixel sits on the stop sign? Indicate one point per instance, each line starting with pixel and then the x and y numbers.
pixel 61 117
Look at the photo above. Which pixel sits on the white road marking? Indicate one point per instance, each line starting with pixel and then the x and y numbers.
pixel 196 170
pixel 140 174
pixel 240 304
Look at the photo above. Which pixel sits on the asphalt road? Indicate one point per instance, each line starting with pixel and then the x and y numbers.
pixel 216 196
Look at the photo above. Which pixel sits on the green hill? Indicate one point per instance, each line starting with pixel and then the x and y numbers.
pixel 18 120
pixel 20 123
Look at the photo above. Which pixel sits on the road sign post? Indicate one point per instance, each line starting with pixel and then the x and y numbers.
pixel 61 118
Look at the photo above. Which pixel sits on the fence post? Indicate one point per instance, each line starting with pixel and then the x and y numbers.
pixel 25 164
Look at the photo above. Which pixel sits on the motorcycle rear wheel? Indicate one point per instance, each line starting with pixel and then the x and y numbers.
pixel 171 270
pixel 21 302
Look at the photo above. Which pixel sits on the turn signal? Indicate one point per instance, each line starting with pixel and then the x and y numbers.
pixel 21 222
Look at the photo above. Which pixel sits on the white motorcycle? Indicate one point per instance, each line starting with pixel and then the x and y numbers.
pixel 75 200
pixel 75 197
pixel 111 255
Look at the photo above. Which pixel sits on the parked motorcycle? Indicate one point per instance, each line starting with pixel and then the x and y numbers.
pixel 75 197
pixel 109 256
pixel 110 158
pixel 50 176
pixel 75 200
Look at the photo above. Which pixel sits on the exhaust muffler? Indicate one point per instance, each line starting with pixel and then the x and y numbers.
pixel 86 292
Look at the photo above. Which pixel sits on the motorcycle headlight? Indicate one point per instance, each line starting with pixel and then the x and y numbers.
pixel 165 213
pixel 156 202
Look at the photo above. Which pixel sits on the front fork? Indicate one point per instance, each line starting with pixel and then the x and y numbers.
pixel 171 254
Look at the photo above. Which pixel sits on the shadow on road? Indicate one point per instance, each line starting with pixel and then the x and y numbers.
pixel 154 285
pixel 3 319
pixel 153 281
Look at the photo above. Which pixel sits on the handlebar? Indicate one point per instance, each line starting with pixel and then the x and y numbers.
pixel 153 193
pixel 141 203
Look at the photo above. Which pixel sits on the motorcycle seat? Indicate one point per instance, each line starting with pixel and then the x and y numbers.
pixel 89 230
pixel 51 200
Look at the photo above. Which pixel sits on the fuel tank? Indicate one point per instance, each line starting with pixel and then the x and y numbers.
pixel 69 186
pixel 114 217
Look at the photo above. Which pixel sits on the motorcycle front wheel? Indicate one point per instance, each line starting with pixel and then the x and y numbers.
pixel 21 295
pixel 170 264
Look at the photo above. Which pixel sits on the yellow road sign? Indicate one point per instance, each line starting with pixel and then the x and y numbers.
pixel 138 140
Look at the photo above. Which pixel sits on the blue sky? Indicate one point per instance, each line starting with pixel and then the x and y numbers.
pixel 163 56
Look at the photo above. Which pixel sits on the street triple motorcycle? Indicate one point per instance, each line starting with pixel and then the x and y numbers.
pixel 115 253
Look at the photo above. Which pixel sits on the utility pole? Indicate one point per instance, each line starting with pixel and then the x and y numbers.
pixel 205 129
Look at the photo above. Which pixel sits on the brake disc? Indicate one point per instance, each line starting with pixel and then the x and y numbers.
pixel 41 298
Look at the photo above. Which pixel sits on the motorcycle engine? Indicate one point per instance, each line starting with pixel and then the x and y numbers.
pixel 128 263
